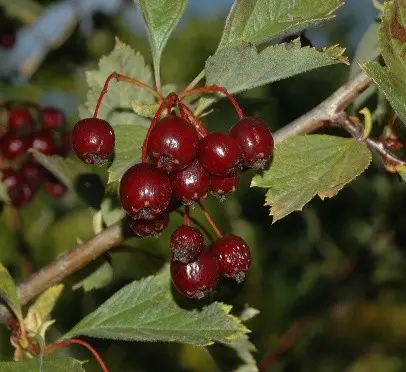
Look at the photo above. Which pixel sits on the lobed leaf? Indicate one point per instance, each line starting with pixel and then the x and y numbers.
pixel 48 364
pixel 8 292
pixel 306 166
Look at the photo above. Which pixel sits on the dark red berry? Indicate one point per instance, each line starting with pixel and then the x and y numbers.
pixel 33 174
pixel 145 191
pixel 93 140
pixel 66 142
pixel 255 141
pixel 146 228
pixel 191 184
pixel 12 146
pixel 43 142
pixel 54 187
pixel 196 278
pixel 221 185
pixel 20 119
pixel 51 118
pixel 219 153
pixel 233 257
pixel 392 144
pixel 172 143
pixel 24 196
pixel 186 243
pixel 12 182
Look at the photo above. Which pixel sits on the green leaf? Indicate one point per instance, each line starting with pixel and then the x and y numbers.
pixel 46 302
pixel 306 166
pixel 257 21
pixel 129 139
pixel 96 280
pixel 111 211
pixel 146 311
pixel 8 292
pixel 244 349
pixel 48 364
pixel 161 18
pixel 116 104
pixel 3 194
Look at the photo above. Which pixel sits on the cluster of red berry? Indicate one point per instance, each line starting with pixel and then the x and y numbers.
pixel 182 162
pixel 28 128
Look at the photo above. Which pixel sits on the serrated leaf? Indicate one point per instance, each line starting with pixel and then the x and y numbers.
pixel 306 166
pixel 8 292
pixel 46 302
pixel 161 18
pixel 97 279
pixel 257 21
pixel 116 104
pixel 129 140
pixel 47 364
pixel 146 311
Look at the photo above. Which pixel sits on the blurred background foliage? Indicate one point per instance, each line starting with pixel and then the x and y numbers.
pixel 329 282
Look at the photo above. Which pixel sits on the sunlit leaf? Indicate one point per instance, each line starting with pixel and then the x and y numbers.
pixel 45 303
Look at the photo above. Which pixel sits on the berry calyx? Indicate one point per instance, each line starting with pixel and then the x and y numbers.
pixel 12 146
pixel 255 141
pixel 145 191
pixel 93 140
pixel 146 228
pixel 43 142
pixel 222 185
pixel 51 118
pixel 186 243
pixel 219 153
pixel 33 174
pixel 191 184
pixel 20 119
pixel 196 278
pixel 172 143
pixel 233 256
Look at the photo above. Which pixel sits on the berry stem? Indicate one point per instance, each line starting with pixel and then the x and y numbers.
pixel 195 81
pixel 214 88
pixel 190 116
pixel 120 77
pixel 186 217
pixel 210 220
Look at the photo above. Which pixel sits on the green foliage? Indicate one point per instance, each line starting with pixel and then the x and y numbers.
pixel 45 364
pixel 146 311
pixel 306 166
pixel 46 302
pixel 97 279
pixel 8 292
pixel 3 193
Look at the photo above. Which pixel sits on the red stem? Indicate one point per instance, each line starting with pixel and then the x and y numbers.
pixel 215 88
pixel 211 221
pixel 193 119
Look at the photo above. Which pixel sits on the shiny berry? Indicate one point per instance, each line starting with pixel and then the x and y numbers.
pixel 191 184
pixel 233 256
pixel 54 187
pixel 221 185
pixel 33 174
pixel 219 153
pixel 12 182
pixel 255 141
pixel 93 140
pixel 145 191
pixel 20 119
pixel 146 228
pixel 186 243
pixel 196 278
pixel 43 142
pixel 12 146
pixel 172 143
pixel 51 118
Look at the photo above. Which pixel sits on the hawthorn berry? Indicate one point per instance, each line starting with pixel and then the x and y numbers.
pixel 191 184
pixel 33 174
pixel 186 243
pixel 66 142
pixel 20 119
pixel 145 228
pixel 24 196
pixel 255 141
pixel 54 187
pixel 51 118
pixel 172 143
pixel 233 256
pixel 145 191
pixel 196 278
pixel 43 142
pixel 219 153
pixel 12 182
pixel 93 140
pixel 12 146
pixel 221 185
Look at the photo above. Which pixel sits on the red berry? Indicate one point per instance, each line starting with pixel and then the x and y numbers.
pixel 392 144
pixel 233 256
pixel 51 119
pixel 66 142
pixel 145 228
pixel 24 196
pixel 43 142
pixel 221 185
pixel 145 191
pixel 197 278
pixel 12 146
pixel 54 187
pixel 191 184
pixel 255 141
pixel 172 143
pixel 93 140
pixel 186 243
pixel 20 119
pixel 33 174
pixel 219 153
pixel 12 182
